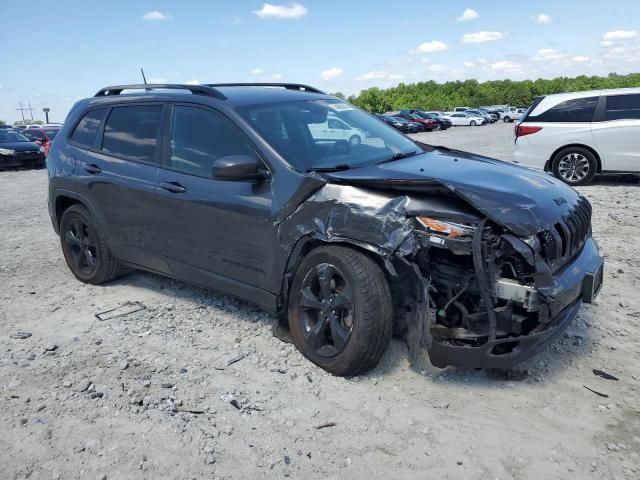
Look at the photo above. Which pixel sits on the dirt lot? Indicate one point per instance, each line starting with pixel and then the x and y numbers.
pixel 84 398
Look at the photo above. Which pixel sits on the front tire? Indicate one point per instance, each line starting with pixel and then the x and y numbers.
pixel 472 123
pixel 355 140
pixel 506 119
pixel 84 248
pixel 340 310
pixel 575 166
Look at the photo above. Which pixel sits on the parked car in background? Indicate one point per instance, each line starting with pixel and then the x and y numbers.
pixel 463 119
pixel 17 151
pixel 412 127
pixel 401 126
pixel 460 109
pixel 511 114
pixel 333 129
pixel 428 124
pixel 577 135
pixel 42 136
pixel 480 113
pixel 441 122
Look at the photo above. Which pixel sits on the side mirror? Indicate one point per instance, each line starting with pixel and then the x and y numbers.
pixel 238 168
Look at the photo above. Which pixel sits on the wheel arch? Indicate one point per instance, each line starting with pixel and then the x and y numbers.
pixel 63 199
pixel 549 164
pixel 310 242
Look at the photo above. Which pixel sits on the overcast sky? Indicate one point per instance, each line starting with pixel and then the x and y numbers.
pixel 55 53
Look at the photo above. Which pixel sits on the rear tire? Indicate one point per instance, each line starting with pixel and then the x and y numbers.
pixel 472 123
pixel 506 119
pixel 575 166
pixel 340 310
pixel 84 248
pixel 355 140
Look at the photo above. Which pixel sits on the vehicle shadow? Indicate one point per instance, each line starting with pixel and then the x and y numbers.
pixel 615 179
pixel 571 346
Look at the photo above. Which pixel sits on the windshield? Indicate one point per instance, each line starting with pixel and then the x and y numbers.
pixel 326 134
pixel 11 136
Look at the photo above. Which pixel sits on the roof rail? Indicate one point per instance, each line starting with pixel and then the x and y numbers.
pixel 288 86
pixel 194 89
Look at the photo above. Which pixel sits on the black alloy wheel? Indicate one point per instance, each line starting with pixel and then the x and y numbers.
pixel 84 248
pixel 326 310
pixel 81 247
pixel 340 311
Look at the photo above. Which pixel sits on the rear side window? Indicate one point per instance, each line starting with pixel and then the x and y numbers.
pixel 623 107
pixel 132 131
pixel 578 110
pixel 85 133
pixel 199 137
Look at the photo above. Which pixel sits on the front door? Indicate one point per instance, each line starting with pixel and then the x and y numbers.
pixel 216 233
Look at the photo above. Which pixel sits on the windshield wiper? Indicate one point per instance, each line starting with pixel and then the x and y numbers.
pixel 399 156
pixel 335 168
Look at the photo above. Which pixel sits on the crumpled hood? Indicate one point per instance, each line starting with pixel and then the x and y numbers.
pixel 523 200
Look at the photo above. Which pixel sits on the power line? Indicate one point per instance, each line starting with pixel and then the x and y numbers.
pixel 25 109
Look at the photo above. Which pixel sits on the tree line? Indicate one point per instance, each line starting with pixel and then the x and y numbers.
pixel 431 95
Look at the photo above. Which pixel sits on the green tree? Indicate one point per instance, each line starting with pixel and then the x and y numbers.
pixel 430 95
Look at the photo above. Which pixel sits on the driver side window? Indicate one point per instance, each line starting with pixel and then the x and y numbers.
pixel 335 124
pixel 199 137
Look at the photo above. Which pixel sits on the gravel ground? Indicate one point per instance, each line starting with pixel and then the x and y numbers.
pixel 196 386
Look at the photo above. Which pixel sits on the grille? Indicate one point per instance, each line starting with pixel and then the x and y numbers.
pixel 28 155
pixel 568 236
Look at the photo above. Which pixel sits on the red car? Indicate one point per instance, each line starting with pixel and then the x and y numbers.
pixel 42 136
pixel 428 124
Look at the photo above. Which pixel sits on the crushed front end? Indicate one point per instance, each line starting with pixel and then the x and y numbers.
pixel 496 299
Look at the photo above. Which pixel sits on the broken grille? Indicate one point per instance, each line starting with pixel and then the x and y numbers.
pixel 568 236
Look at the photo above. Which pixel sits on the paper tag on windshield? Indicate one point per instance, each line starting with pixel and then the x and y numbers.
pixel 340 107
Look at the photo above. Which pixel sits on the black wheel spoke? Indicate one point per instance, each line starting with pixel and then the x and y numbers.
pixel 71 238
pixel 325 274
pixel 309 300
pixel 344 299
pixel 89 258
pixel 339 334
pixel 76 259
pixel 316 336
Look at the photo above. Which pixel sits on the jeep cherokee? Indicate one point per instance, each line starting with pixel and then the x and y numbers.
pixel 232 187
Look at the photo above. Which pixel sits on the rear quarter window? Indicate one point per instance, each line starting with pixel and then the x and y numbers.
pixel 132 131
pixel 578 110
pixel 84 135
pixel 623 107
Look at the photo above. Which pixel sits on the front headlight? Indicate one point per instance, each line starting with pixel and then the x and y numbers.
pixel 41 149
pixel 6 151
pixel 446 229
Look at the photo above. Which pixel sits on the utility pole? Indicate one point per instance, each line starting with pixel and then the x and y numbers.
pixel 46 112
pixel 25 109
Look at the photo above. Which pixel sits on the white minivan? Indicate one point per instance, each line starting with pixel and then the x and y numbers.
pixel 576 135
pixel 333 129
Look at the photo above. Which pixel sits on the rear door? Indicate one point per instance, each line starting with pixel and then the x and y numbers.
pixel 215 233
pixel 617 134
pixel 119 172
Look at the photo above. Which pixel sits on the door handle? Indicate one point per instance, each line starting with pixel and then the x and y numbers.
pixel 92 168
pixel 173 187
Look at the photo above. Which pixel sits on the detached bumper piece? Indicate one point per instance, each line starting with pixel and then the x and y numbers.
pixel 527 317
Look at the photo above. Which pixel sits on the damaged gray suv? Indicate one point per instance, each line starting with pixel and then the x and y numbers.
pixel 235 187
